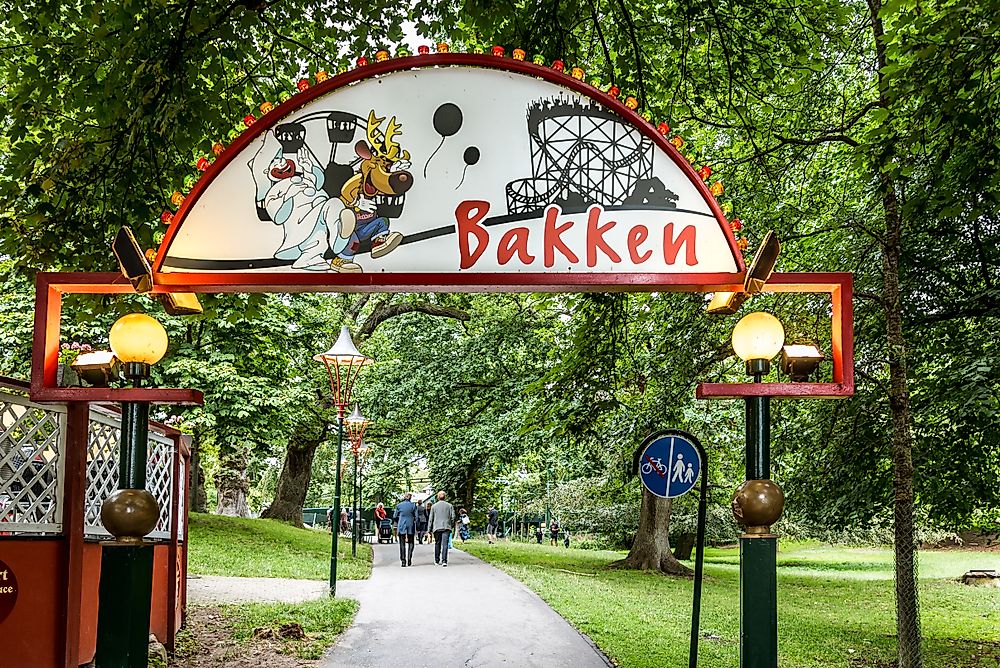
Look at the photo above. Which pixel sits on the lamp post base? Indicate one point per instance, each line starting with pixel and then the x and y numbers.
pixel 758 601
pixel 123 616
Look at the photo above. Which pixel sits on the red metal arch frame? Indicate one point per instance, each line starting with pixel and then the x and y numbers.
pixel 435 60
pixel 50 287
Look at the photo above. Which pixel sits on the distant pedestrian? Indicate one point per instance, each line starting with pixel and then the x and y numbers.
pixel 405 515
pixel 343 520
pixel 491 524
pixel 430 534
pixel 463 525
pixel 554 533
pixel 538 534
pixel 442 519
pixel 329 517
pixel 422 512
pixel 380 512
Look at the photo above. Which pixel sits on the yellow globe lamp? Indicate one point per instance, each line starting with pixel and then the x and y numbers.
pixel 757 338
pixel 138 341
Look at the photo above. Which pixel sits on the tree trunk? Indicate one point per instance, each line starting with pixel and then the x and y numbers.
pixel 197 497
pixel 466 495
pixel 231 486
pixel 651 547
pixel 907 601
pixel 907 597
pixel 293 483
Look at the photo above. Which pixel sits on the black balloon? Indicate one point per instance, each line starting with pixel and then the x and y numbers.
pixel 447 119
pixel 471 155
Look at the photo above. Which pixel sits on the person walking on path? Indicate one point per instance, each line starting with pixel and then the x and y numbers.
pixel 405 515
pixel 422 521
pixel 463 524
pixel 380 512
pixel 442 519
pixel 554 533
pixel 343 520
pixel 491 524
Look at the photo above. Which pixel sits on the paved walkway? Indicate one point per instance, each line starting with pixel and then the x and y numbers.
pixel 207 589
pixel 467 615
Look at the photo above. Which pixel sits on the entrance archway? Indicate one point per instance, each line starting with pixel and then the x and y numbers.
pixel 438 173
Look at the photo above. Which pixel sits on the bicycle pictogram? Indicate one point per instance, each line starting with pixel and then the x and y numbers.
pixel 651 463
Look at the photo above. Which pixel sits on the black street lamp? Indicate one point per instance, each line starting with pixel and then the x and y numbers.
pixel 356 426
pixel 131 512
pixel 759 501
pixel 343 363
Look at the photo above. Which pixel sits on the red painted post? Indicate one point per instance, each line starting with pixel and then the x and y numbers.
pixel 74 487
pixel 176 586
pixel 171 588
pixel 186 440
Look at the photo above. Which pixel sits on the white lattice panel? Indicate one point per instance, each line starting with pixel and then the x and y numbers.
pixel 182 500
pixel 160 479
pixel 32 440
pixel 102 469
pixel 102 473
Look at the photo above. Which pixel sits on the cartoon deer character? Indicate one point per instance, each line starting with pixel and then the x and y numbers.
pixel 381 177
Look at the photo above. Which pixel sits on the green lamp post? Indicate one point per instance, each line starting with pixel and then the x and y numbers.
pixel 131 512
pixel 758 502
pixel 356 426
pixel 343 363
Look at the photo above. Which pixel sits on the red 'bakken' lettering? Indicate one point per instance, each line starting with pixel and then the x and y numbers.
pixel 672 246
pixel 467 217
pixel 553 237
pixel 513 241
pixel 474 239
pixel 595 237
pixel 636 236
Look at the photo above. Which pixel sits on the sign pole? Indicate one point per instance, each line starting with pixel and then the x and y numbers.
pixel 335 519
pixel 685 461
pixel 699 560
pixel 354 509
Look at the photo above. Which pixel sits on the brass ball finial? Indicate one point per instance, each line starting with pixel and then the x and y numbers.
pixel 757 505
pixel 129 514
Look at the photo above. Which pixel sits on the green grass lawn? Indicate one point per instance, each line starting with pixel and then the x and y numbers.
pixel 321 620
pixel 238 547
pixel 835 605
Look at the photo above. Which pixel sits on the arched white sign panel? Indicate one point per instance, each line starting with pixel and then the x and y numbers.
pixel 451 169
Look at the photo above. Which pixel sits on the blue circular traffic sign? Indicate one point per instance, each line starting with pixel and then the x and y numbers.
pixel 669 466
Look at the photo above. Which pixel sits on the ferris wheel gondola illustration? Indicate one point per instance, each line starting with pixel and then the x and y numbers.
pixel 342 128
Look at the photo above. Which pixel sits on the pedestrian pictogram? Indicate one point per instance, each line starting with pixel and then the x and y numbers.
pixel 669 466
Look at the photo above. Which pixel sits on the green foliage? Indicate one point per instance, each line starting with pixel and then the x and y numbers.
pixel 268 549
pixel 821 623
pixel 107 106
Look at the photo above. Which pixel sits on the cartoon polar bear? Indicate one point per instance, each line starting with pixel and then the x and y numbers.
pixel 291 191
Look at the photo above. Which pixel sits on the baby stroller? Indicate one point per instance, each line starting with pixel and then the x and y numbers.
pixel 385 531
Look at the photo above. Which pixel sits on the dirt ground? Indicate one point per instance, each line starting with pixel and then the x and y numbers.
pixel 207 642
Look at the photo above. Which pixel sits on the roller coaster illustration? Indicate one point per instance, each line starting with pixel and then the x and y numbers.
pixel 581 154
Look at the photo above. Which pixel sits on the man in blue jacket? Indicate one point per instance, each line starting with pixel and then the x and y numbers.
pixel 406 524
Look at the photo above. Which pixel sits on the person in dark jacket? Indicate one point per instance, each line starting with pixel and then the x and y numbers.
pixel 491 524
pixel 422 513
pixel 405 516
